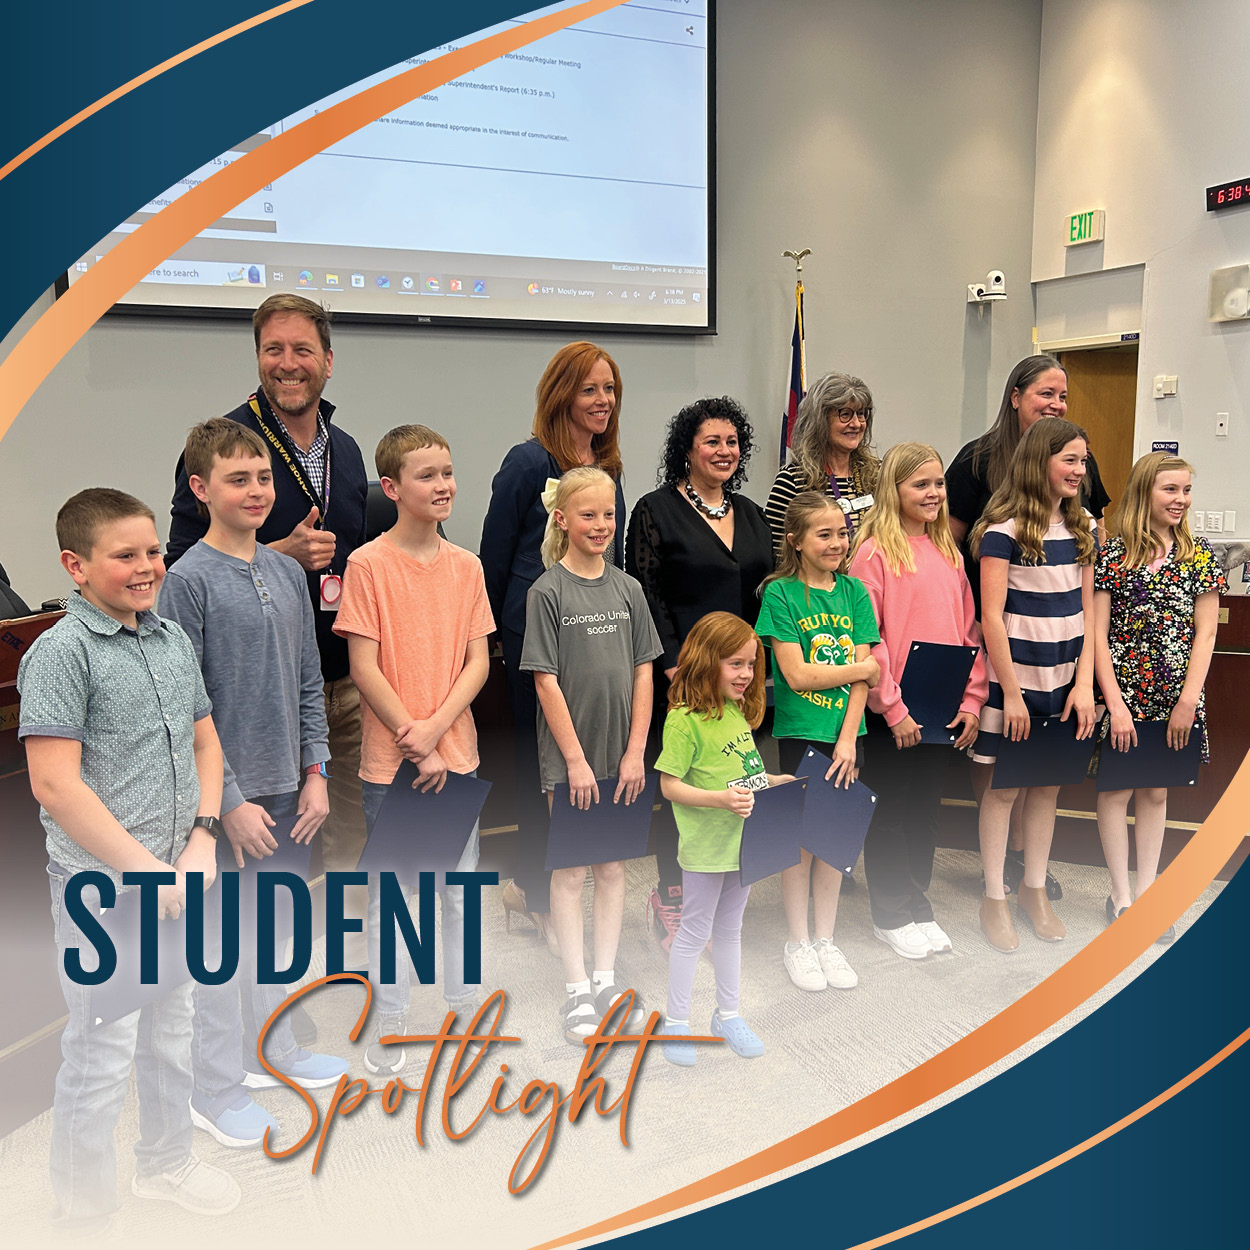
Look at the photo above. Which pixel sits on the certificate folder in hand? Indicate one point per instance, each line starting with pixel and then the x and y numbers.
pixel 1151 762
pixel 1051 755
pixel 933 685
pixel 835 820
pixel 417 831
pixel 770 834
pixel 605 832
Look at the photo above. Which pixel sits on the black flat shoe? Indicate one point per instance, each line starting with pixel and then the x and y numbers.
pixel 1114 913
pixel 1013 872
pixel 1167 937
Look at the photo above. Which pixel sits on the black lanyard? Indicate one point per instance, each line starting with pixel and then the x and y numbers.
pixel 323 504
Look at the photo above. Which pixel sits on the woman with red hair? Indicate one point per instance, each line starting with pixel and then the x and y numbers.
pixel 575 422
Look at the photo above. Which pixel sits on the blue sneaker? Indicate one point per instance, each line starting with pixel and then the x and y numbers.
pixel 306 1069
pixel 680 1053
pixel 240 1125
pixel 738 1034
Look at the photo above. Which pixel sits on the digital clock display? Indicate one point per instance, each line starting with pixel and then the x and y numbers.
pixel 1227 194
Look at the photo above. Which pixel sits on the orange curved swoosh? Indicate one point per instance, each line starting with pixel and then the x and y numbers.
pixel 1042 1168
pixel 1060 993
pixel 38 352
pixel 155 72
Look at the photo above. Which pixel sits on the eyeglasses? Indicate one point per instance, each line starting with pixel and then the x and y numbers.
pixel 849 416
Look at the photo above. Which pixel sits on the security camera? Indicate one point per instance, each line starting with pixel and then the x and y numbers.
pixel 993 288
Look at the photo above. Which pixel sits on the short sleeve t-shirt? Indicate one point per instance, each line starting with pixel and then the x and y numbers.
pixel 423 617
pixel 592 633
pixel 710 754
pixel 828 625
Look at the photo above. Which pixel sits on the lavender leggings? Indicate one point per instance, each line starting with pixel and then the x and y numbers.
pixel 711 907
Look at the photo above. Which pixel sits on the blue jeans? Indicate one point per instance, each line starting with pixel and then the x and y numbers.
pixel 94 1076
pixel 225 1035
pixel 392 998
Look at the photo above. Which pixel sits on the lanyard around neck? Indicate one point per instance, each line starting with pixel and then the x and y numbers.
pixel 301 480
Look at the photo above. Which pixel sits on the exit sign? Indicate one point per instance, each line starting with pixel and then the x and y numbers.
pixel 1087 227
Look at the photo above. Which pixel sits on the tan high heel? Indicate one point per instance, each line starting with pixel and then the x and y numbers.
pixel 514 904
pixel 996 924
pixel 1035 907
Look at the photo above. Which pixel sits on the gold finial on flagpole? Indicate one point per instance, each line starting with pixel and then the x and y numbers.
pixel 797 257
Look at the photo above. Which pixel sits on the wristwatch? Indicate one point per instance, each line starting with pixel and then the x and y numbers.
pixel 317 770
pixel 211 823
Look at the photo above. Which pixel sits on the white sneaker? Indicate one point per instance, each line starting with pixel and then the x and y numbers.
pixel 908 941
pixel 839 975
pixel 937 936
pixel 803 965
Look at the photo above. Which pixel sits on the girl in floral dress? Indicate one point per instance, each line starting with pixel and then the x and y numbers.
pixel 1156 604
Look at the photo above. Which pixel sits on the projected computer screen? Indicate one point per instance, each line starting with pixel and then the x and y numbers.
pixel 568 183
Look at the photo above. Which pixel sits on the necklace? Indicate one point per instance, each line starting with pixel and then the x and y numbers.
pixel 721 510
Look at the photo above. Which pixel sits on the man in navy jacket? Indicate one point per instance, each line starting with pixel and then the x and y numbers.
pixel 318 519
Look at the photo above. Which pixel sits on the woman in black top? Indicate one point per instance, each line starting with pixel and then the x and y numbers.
pixel 697 547
pixel 576 421
pixel 1037 387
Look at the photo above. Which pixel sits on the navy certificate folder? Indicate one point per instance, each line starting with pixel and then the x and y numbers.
pixel 770 834
pixel 605 832
pixel 418 832
pixel 1051 755
pixel 1151 762
pixel 933 684
pixel 835 820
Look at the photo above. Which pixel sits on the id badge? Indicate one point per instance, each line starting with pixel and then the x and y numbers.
pixel 331 592
pixel 861 503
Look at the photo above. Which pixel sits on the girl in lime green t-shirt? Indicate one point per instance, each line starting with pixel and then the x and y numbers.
pixel 820 626
pixel 709 770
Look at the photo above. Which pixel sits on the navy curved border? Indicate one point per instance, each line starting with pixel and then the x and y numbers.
pixel 1173 1178
pixel 61 57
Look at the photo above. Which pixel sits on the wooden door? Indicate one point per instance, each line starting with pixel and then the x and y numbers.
pixel 1102 399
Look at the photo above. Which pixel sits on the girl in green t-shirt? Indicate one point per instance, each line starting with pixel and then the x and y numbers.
pixel 819 623
pixel 709 770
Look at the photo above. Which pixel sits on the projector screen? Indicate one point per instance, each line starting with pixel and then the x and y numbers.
pixel 567 184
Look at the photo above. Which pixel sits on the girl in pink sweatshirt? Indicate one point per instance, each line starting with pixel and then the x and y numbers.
pixel 910 565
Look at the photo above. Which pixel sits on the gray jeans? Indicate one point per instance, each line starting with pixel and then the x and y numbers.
pixel 94 1076
pixel 229 1017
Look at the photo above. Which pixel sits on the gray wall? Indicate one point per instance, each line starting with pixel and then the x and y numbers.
pixel 895 138
pixel 1142 107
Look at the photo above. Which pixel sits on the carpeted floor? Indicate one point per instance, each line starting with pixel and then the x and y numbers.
pixel 824 1051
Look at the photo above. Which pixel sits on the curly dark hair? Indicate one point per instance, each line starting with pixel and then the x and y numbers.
pixel 680 435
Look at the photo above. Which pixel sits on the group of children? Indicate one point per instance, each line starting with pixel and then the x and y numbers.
pixel 128 768
pixel 840 618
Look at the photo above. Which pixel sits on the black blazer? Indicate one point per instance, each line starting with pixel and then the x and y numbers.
pixel 687 572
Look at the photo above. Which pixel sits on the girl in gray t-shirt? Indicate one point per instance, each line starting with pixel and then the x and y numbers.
pixel 589 641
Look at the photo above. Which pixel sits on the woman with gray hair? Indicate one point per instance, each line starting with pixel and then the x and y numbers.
pixel 832 452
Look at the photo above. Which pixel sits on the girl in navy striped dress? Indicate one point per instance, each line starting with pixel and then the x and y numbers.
pixel 1036 548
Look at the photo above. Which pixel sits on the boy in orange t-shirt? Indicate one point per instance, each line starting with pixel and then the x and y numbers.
pixel 416 618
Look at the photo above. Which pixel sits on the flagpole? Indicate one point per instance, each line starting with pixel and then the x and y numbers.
pixel 798 356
